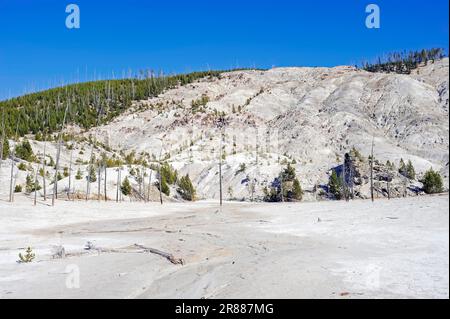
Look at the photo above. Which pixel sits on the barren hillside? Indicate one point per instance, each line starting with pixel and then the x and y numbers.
pixel 310 115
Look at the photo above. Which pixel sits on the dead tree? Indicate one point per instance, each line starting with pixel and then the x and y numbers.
pixel 99 113
pixel 160 175
pixel 149 184
pixel 35 185
pixel 55 183
pixel 2 137
pixel 70 172
pixel 371 171
pixel 105 184
pixel 99 181
pixel 13 155
pixel 118 184
pixel 220 125
pixel 44 172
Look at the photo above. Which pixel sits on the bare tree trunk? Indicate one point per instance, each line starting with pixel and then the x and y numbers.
pixel 105 185
pixel 55 185
pixel 11 186
pixel 149 185
pixel 44 171
pixel 70 173
pixel 3 138
pixel 99 181
pixel 118 185
pixel 35 185
pixel 55 182
pixel 389 190
pixel 371 172
pixel 220 167
pixel 11 183
pixel 160 173
pixel 120 181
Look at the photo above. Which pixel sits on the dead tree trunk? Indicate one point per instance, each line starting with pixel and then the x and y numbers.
pixel 35 185
pixel 118 185
pixel 44 171
pixel 2 137
pixel 371 172
pixel 11 182
pixel 105 184
pixel 149 185
pixel 70 173
pixel 55 183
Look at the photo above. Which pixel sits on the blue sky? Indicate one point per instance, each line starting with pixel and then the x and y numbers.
pixel 38 51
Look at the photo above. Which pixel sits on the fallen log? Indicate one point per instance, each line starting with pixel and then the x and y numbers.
pixel 169 257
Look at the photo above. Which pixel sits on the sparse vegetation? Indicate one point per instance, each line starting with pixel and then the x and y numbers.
pixel 404 62
pixel 286 187
pixel 18 189
pixel 28 257
pixel 24 151
pixel 31 184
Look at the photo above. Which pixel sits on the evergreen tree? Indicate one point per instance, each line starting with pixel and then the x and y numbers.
pixel 5 148
pixel 82 100
pixel 335 185
pixel 24 151
pixel 287 183
pixel 410 171
pixel 186 189
pixel 31 185
pixel 126 187
pixel 402 167
pixel 432 182
pixel 92 174
pixel 297 192
pixel 79 175
pixel 164 187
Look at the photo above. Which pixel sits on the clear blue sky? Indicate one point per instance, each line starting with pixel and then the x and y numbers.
pixel 38 51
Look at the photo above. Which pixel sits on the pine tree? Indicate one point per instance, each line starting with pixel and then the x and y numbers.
pixel 126 187
pixel 432 182
pixel 297 192
pixel 410 171
pixel 24 151
pixel 186 189
pixel 79 175
pixel 335 185
pixel 31 184
pixel 5 148
pixel 92 174
pixel 164 187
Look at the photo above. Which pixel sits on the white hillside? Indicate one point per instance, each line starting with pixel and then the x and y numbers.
pixel 312 115
pixel 309 116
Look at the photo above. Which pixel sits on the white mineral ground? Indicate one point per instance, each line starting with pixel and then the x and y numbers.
pixel 387 249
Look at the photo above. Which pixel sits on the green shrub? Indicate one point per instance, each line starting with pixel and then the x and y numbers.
pixel 5 148
pixel 28 257
pixel 432 182
pixel 126 187
pixel 79 175
pixel 24 151
pixel 31 184
pixel 186 189
pixel 335 185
